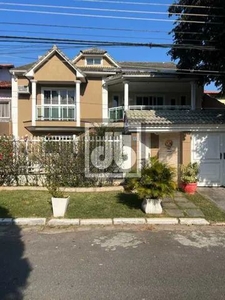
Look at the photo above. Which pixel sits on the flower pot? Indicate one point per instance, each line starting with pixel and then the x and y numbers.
pixel 152 206
pixel 59 206
pixel 189 188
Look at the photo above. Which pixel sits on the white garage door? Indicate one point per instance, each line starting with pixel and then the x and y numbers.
pixel 208 149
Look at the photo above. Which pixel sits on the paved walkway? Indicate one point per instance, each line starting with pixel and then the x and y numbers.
pixel 180 206
pixel 215 194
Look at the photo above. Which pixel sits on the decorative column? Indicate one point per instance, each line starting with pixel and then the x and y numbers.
pixel 126 95
pixel 14 106
pixel 33 99
pixel 193 95
pixel 78 102
pixel 105 109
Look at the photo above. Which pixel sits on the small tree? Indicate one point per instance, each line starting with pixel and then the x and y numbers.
pixel 155 181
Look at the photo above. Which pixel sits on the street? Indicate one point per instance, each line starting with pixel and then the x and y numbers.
pixel 143 263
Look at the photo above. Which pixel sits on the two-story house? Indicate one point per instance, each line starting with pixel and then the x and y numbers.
pixel 157 108
pixel 5 99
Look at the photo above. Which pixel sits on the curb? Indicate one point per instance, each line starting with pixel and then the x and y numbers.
pixel 105 222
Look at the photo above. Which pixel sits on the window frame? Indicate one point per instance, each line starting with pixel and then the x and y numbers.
pixel 93 58
pixel 59 106
pixel 5 101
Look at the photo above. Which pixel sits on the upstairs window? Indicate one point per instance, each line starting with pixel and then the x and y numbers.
pixel 93 61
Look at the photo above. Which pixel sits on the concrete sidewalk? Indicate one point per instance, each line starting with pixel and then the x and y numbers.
pixel 215 194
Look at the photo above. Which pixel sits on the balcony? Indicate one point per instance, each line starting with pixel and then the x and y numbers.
pixel 116 114
pixel 55 113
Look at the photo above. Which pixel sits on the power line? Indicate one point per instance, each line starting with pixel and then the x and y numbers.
pixel 101 9
pixel 107 16
pixel 95 28
pixel 25 39
pixel 147 3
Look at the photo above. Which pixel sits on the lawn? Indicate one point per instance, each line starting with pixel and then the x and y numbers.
pixel 209 209
pixel 25 203
pixel 81 205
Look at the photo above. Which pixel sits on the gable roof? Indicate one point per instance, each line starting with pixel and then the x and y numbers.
pixel 95 51
pixel 50 53
pixel 29 69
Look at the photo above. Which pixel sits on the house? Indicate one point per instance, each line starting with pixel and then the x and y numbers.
pixel 158 109
pixel 5 99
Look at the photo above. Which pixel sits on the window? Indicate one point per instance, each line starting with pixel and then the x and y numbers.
pixel 115 101
pixel 183 100
pixel 149 100
pixel 4 109
pixel 58 104
pixel 93 61
pixel 173 101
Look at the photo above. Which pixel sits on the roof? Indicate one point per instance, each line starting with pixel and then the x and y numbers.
pixel 175 117
pixel 25 67
pixel 5 84
pixel 93 51
pixel 141 64
pixel 6 66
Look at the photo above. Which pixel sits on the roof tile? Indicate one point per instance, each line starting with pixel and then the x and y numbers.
pixel 175 117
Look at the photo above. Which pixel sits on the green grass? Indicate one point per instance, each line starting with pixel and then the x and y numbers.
pixel 209 209
pixel 81 205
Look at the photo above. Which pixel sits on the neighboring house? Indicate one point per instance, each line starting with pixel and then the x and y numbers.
pixel 5 99
pixel 159 110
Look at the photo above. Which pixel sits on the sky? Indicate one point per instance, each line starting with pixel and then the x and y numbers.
pixel 95 21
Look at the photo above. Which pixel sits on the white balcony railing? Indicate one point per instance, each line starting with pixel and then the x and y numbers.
pixel 117 113
pixel 56 113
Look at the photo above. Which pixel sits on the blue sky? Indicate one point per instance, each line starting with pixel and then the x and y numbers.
pixel 93 20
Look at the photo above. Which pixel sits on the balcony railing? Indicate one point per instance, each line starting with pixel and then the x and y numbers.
pixel 55 113
pixel 117 113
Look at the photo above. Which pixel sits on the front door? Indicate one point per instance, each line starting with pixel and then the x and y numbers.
pixel 208 149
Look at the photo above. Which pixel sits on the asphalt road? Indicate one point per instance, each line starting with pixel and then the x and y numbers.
pixel 106 263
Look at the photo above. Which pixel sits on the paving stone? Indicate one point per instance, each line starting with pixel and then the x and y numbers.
pixel 180 199
pixel 191 221
pixel 166 200
pixel 169 205
pixel 194 212
pixel 63 222
pixel 162 221
pixel 187 205
pixel 119 221
pixel 96 222
pixel 30 221
pixel 174 212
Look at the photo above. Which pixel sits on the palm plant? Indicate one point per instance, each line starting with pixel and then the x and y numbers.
pixel 155 181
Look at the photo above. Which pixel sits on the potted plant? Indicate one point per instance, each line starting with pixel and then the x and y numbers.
pixel 155 182
pixel 56 162
pixel 59 200
pixel 189 177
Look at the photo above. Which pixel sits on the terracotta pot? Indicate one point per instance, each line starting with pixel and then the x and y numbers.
pixel 189 188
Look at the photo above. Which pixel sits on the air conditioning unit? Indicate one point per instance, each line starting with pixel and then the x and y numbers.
pixel 23 89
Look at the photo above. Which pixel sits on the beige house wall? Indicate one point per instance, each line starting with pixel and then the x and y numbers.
pixel 91 100
pixel 23 81
pixel 154 144
pixel 54 69
pixel 170 155
pixel 186 148
pixel 5 128
pixel 24 114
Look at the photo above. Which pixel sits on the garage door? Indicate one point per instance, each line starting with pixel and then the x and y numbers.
pixel 208 149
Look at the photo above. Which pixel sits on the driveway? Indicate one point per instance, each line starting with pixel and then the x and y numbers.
pixel 215 194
